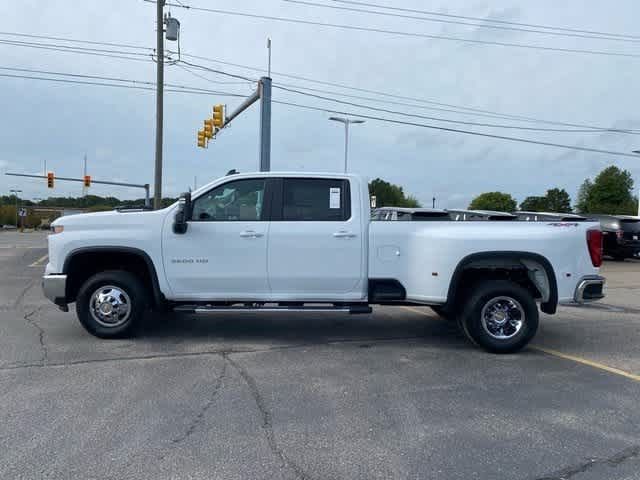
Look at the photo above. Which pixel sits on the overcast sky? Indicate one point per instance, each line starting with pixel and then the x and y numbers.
pixel 59 123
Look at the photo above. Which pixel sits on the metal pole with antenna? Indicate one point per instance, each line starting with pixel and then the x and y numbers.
pixel 269 57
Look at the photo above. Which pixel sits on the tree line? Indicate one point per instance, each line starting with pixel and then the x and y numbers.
pixel 611 191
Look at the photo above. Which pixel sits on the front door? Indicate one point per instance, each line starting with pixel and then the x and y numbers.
pixel 223 254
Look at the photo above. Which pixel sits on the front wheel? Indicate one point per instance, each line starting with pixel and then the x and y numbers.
pixel 500 316
pixel 111 304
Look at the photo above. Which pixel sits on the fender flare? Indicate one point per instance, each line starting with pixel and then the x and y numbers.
pixel 550 306
pixel 158 296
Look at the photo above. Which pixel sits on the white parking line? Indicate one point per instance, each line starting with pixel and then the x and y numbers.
pixel 39 262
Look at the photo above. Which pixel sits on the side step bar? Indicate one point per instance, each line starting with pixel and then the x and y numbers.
pixel 353 309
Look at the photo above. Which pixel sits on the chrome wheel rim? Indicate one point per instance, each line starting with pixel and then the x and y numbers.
pixel 110 306
pixel 502 317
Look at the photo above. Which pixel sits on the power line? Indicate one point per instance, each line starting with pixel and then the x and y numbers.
pixel 488 20
pixel 402 33
pixel 585 130
pixel 63 39
pixel 458 22
pixel 467 110
pixel 202 77
pixel 308 107
pixel 219 72
pixel 66 49
pixel 424 117
pixel 135 87
pixel 102 77
pixel 73 47
pixel 451 108
pixel 455 130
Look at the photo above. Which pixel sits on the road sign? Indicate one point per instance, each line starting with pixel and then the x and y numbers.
pixel 22 212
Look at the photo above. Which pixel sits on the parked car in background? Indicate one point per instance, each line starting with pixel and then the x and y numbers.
pixel 480 215
pixel 409 214
pixel 621 235
pixel 549 217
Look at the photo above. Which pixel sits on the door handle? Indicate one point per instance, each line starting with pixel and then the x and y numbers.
pixel 250 234
pixel 344 234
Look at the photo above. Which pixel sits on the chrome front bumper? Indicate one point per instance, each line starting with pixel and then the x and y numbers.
pixel 54 288
pixel 589 289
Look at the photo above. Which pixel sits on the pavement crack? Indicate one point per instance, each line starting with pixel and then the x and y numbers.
pixel 28 317
pixel 21 295
pixel 613 461
pixel 201 414
pixel 267 421
pixel 160 356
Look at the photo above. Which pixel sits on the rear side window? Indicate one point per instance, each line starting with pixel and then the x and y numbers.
pixel 315 199
pixel 630 225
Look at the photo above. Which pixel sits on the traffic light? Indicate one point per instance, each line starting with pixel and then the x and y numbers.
pixel 208 128
pixel 87 181
pixel 218 115
pixel 50 178
pixel 201 139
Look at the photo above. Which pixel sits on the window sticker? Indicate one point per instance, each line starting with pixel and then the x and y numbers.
pixel 334 197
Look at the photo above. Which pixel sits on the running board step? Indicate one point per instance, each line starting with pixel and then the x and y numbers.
pixel 269 309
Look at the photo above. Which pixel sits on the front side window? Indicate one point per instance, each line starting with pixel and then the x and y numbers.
pixel 315 199
pixel 241 200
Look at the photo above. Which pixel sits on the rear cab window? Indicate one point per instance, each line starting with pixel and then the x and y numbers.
pixel 315 200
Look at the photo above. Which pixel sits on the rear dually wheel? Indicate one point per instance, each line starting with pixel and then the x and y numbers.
pixel 500 316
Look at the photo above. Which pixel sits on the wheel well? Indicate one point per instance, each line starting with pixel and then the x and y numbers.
pixel 84 264
pixel 531 271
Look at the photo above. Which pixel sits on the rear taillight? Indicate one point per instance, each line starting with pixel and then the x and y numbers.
pixel 594 242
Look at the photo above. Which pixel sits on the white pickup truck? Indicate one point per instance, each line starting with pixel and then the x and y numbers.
pixel 305 242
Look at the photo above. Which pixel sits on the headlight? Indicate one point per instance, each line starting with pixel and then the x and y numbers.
pixel 57 229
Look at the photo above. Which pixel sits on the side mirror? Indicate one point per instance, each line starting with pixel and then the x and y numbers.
pixel 183 215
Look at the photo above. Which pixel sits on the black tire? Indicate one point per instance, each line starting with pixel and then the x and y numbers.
pixel 507 298
pixel 129 294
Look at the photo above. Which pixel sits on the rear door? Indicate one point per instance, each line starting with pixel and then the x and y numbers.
pixel 315 240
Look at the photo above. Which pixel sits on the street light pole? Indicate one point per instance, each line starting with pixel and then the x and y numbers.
pixel 15 193
pixel 346 122
pixel 157 184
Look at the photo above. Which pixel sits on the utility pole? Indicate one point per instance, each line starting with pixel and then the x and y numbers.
pixel 157 184
pixel 264 89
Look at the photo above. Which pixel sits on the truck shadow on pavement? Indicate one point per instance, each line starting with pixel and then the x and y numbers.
pixel 308 328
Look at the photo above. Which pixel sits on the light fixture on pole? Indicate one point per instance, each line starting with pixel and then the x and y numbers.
pixel 346 122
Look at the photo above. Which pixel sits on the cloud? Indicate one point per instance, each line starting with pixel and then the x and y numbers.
pixel 59 123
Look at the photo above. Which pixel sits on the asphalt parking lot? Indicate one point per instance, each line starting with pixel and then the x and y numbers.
pixel 395 394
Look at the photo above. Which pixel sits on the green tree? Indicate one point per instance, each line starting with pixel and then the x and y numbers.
pixel 390 195
pixel 558 200
pixel 610 192
pixel 534 204
pixel 499 201
pixel 582 204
